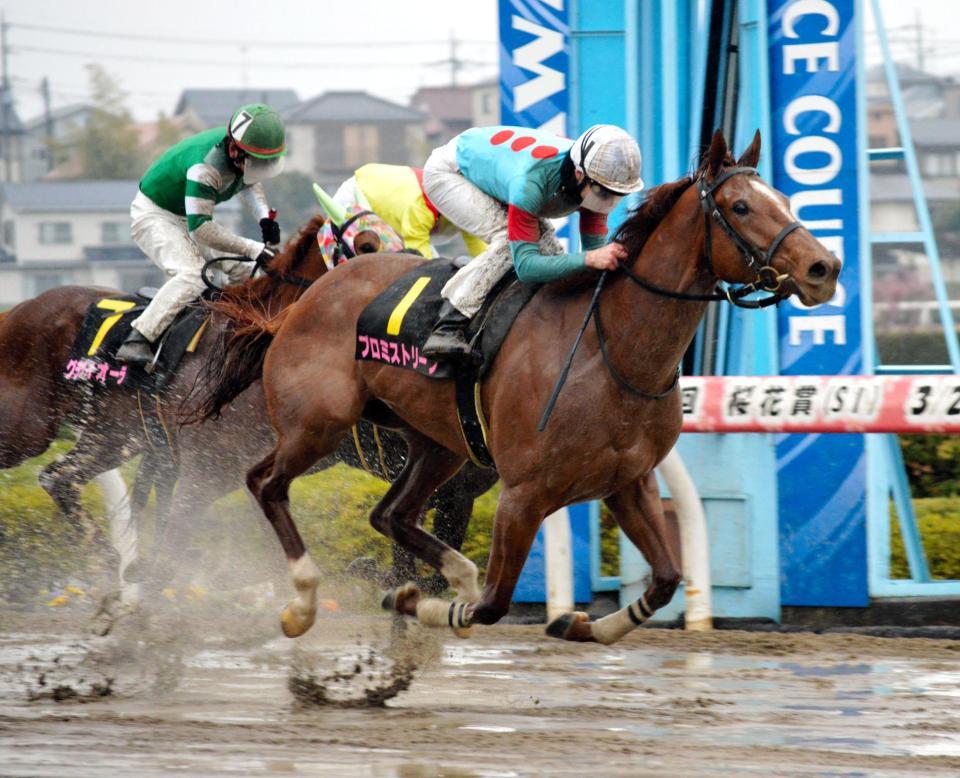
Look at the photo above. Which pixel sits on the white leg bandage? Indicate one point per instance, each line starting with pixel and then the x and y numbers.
pixel 306 578
pixel 611 628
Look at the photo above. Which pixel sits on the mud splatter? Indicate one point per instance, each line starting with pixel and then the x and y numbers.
pixel 369 681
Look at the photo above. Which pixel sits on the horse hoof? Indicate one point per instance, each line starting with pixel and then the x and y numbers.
pixel 571 626
pixel 294 626
pixel 403 599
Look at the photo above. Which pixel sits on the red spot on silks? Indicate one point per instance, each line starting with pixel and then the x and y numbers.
pixel 501 137
pixel 545 152
pixel 522 142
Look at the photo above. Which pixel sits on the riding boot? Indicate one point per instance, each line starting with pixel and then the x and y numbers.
pixel 136 349
pixel 447 340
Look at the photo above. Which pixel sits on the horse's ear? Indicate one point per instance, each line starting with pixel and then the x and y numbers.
pixel 751 156
pixel 717 153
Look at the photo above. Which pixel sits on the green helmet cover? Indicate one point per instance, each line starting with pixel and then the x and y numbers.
pixel 258 130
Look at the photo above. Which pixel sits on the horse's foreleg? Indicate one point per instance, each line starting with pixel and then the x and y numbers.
pixel 514 528
pixel 269 483
pixel 639 512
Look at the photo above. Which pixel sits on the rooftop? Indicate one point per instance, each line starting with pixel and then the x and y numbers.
pixel 353 107
pixel 72 196
pixel 215 106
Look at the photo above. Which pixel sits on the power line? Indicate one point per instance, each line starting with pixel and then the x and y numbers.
pixel 240 43
pixel 219 63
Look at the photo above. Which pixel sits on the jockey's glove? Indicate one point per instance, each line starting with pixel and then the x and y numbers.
pixel 270 231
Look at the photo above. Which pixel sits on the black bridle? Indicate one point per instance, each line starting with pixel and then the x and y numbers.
pixel 758 260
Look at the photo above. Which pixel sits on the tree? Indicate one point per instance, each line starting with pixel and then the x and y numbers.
pixel 108 146
pixel 292 195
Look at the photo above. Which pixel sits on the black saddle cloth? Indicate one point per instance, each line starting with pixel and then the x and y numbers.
pixel 93 361
pixel 394 326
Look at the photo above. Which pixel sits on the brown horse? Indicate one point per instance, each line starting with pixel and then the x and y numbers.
pixel 604 439
pixel 115 425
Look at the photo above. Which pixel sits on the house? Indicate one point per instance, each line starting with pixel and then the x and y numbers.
pixel 47 136
pixel 453 109
pixel 55 233
pixel 331 135
pixel 214 107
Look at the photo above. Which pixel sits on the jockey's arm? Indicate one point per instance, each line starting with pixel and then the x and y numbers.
pixel 199 202
pixel 523 233
pixel 415 227
pixel 255 198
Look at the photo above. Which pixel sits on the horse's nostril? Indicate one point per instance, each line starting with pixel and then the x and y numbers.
pixel 817 271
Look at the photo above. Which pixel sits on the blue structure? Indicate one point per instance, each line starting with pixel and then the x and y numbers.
pixel 788 514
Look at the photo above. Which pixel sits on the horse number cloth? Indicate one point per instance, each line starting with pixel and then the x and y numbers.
pixel 392 329
pixel 92 359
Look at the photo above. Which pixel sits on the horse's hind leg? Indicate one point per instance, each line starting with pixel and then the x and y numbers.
pixel 639 512
pixel 269 482
pixel 397 514
pixel 94 453
pixel 517 520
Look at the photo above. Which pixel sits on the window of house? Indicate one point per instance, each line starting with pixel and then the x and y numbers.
pixel 44 282
pixel 486 102
pixel 114 232
pixel 55 233
pixel 361 143
pixel 9 234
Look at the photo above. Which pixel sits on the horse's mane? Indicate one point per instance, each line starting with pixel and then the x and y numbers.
pixel 646 217
pixel 657 203
pixel 238 300
pixel 236 359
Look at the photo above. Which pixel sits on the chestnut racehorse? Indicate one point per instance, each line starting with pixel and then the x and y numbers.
pixel 114 424
pixel 615 420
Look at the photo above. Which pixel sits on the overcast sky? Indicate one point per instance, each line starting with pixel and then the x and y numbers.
pixel 387 47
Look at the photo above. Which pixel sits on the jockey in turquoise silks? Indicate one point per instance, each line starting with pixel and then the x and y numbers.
pixel 502 184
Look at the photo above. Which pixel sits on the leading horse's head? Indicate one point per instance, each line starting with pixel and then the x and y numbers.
pixel 750 226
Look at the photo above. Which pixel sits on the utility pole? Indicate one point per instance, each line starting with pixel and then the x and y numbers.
pixel 47 121
pixel 6 98
pixel 919 27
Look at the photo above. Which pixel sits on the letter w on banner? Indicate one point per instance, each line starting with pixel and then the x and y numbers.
pixel 534 68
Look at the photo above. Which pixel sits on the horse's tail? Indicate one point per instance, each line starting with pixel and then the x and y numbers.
pixel 235 360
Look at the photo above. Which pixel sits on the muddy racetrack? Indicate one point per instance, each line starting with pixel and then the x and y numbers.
pixel 508 702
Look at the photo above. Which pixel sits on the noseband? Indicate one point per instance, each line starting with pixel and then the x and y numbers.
pixel 758 260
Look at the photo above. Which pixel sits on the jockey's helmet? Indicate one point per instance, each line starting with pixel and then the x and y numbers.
pixel 608 156
pixel 257 130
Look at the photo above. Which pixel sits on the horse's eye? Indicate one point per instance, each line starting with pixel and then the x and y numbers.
pixel 741 208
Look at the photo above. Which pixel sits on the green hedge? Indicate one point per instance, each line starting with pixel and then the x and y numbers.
pixel 38 549
pixel 939 522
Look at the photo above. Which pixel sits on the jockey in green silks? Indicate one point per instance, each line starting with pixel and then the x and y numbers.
pixel 172 214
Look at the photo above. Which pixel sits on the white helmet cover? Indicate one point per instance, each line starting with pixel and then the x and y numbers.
pixel 608 155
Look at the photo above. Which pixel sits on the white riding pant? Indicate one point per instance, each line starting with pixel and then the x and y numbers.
pixel 164 238
pixel 474 211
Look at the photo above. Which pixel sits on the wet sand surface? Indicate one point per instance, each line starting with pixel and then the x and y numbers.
pixel 507 702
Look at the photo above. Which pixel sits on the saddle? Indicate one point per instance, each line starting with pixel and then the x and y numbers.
pixel 392 329
pixel 92 360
